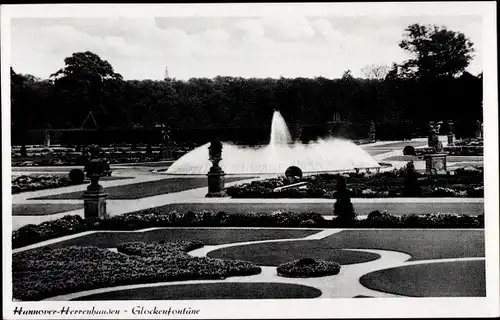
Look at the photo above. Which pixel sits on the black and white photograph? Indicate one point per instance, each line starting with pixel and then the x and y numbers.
pixel 313 160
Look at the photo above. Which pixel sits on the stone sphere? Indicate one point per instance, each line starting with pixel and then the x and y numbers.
pixel 293 172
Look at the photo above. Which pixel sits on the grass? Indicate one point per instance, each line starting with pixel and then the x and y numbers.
pixel 208 236
pixel 211 291
pixel 276 253
pixel 145 189
pixel 447 279
pixel 420 244
pixel 43 209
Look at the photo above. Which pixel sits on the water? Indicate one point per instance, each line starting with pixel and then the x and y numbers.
pixel 323 155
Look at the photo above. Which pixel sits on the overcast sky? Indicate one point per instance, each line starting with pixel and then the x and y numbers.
pixel 254 46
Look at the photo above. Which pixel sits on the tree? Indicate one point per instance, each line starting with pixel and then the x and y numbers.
pixel 436 51
pixel 80 84
pixel 375 71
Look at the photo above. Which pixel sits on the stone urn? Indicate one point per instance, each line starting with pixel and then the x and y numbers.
pixel 94 197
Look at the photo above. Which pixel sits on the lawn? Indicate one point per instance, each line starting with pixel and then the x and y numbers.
pixel 145 189
pixel 43 209
pixel 420 244
pixel 276 253
pixel 233 290
pixel 105 239
pixel 447 279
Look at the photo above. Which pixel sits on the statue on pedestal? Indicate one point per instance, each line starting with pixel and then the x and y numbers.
pixel 435 162
pixel 372 131
pixel 451 136
pixel 433 139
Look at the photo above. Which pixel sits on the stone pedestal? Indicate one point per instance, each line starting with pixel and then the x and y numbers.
pixel 166 153
pixel 216 184
pixel 94 202
pixel 435 163
pixel 451 140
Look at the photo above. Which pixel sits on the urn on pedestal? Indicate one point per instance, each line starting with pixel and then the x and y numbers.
pixel 94 198
pixel 215 174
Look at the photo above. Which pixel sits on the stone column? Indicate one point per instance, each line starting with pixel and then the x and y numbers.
pixel 216 174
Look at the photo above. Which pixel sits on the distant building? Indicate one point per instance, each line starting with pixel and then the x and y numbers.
pixel 166 73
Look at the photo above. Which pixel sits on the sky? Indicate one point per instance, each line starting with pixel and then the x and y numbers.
pixel 288 45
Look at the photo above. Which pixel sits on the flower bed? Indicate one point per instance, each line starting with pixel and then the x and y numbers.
pixel 67 225
pixel 464 183
pixel 38 182
pixel 307 268
pixel 68 157
pixel 43 273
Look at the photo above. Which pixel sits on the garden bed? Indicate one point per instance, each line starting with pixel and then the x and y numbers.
pixel 379 185
pixel 43 273
pixel 149 218
pixel 26 183
pixel 308 268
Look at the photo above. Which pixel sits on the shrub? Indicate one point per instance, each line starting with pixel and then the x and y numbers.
pixel 43 273
pixel 343 208
pixel 409 151
pixel 411 186
pixel 77 176
pixel 31 233
pixel 308 267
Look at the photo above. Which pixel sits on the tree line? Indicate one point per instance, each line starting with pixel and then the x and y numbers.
pixel 432 85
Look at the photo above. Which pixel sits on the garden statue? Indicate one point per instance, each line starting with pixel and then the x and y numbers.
pixel 94 198
pixel 371 133
pixel 166 152
pixel 435 162
pixel 433 139
pixel 451 136
pixel 479 129
pixel 24 153
pixel 216 174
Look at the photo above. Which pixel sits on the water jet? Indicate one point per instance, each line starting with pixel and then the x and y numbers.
pixel 322 155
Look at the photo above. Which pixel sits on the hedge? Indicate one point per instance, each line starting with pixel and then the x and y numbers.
pixel 67 225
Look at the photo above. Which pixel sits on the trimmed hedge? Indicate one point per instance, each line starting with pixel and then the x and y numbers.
pixel 67 225
pixel 307 268
pixel 43 273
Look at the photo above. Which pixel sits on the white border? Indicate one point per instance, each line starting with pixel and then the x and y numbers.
pixel 317 308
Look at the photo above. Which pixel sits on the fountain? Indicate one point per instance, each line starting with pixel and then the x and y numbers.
pixel 323 155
